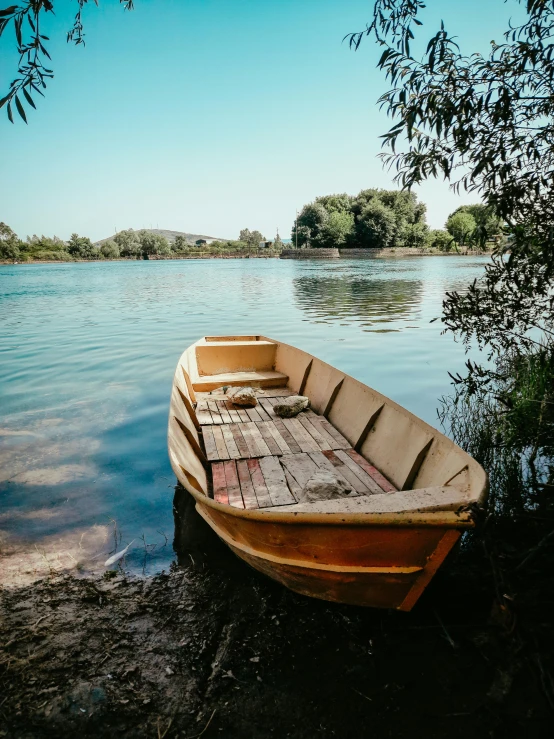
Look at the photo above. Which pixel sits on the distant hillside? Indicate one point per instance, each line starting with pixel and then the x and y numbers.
pixel 169 235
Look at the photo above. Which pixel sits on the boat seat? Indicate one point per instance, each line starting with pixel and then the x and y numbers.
pixel 259 460
pixel 256 378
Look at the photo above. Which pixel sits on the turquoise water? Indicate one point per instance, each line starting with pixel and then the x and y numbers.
pixel 88 353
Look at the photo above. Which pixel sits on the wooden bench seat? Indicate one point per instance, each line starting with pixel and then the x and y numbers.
pixel 259 460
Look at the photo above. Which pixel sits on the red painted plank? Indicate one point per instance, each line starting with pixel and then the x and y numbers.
pixel 233 487
pixel 264 500
pixel 219 483
pixel 246 487
pixel 372 471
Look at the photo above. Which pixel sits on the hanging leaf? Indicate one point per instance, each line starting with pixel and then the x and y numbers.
pixel 20 109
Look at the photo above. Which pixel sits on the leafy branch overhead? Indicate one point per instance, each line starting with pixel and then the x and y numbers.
pixel 484 122
pixel 33 72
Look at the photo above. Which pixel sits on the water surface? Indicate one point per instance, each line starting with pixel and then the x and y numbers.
pixel 88 353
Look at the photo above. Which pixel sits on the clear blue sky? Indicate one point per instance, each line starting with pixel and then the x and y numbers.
pixel 208 116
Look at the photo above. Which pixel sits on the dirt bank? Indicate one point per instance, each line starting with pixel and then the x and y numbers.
pixel 213 649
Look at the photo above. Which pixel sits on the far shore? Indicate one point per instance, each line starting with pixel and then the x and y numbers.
pixel 396 253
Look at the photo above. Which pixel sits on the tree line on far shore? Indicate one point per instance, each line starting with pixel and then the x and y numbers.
pixel 128 244
pixel 390 218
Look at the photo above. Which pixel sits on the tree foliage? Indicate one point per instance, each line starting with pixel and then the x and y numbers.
pixel 372 219
pixel 485 123
pixel 252 238
pixel 33 70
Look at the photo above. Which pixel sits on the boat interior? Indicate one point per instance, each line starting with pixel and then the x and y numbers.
pixel 250 458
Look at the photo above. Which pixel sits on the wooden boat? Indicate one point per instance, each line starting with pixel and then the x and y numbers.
pixel 246 468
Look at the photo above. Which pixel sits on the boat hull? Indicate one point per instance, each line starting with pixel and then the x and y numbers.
pixel 385 565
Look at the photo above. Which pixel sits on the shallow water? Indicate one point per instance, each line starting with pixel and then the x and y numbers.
pixel 88 353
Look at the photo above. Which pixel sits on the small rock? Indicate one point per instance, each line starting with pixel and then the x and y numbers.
pixel 245 396
pixel 169 671
pixel 291 406
pixel 325 485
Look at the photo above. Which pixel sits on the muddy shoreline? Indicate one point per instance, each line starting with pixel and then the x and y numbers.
pixel 212 648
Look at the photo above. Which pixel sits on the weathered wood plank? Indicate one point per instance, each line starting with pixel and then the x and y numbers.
pixel 230 442
pixel 341 442
pixel 262 413
pixel 275 481
pixel 240 442
pixel 382 481
pixel 300 466
pixel 253 414
pixel 347 473
pixel 314 420
pixel 246 487
pixel 271 392
pixel 260 488
pixel 233 413
pixel 214 410
pixel 223 412
pixel 233 486
pixel 219 483
pixel 243 415
pixel 283 446
pixel 209 443
pixel 258 438
pixel 267 406
pixel 250 441
pixel 204 418
pixel 272 445
pixel 374 489
pixel 220 443
pixel 294 487
pixel 287 436
pixel 314 432
pixel 323 462
pixel 306 442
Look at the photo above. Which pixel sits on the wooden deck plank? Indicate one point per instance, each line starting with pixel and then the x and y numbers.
pixel 272 445
pixel 246 487
pixel 243 415
pixel 340 441
pixel 275 481
pixel 250 441
pixel 253 414
pixel 259 439
pixel 347 473
pixel 214 410
pixel 300 466
pixel 294 487
pixel 382 481
pixel 263 413
pixel 233 412
pixel 306 442
pixel 323 462
pixel 204 417
pixel 233 486
pixel 315 433
pixel 219 483
pixel 260 488
pixel 223 412
pixel 287 436
pixel 277 392
pixel 209 443
pixel 267 406
pixel 274 431
pixel 374 489
pixel 230 442
pixel 220 443
pixel 240 441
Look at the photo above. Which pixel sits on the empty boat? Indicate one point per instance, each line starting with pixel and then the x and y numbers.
pixel 412 491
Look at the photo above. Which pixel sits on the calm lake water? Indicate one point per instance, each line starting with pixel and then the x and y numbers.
pixel 88 354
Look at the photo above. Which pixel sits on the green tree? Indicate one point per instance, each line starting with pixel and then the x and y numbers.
pixel 413 235
pixel 277 242
pixel 129 244
pixel 152 243
pixel 9 243
pixel 252 238
pixel 81 247
pixel 461 226
pixel 180 244
pixel 335 231
pixel 375 226
pixel 109 250
pixel 441 240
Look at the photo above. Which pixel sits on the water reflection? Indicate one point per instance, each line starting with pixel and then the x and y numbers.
pixel 366 299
